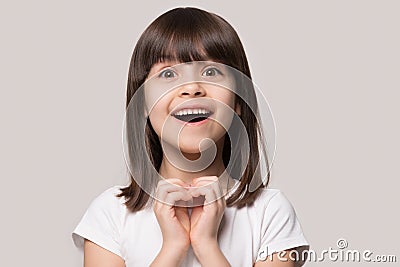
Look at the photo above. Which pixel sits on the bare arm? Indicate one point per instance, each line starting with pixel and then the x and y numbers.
pixel 96 256
pixel 211 255
pixel 282 261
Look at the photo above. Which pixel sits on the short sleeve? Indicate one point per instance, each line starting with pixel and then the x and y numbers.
pixel 281 230
pixel 101 222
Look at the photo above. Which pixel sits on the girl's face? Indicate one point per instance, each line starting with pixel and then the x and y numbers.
pixel 190 102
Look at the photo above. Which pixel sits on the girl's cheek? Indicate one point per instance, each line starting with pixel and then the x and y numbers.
pixel 155 123
pixel 150 101
pixel 158 116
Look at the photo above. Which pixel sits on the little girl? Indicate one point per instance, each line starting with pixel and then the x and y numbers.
pixel 196 195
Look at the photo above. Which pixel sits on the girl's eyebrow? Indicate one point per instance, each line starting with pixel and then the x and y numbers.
pixel 160 65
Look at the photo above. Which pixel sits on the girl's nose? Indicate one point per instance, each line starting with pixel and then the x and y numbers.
pixel 191 90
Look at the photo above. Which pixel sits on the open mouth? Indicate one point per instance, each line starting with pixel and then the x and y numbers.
pixel 192 115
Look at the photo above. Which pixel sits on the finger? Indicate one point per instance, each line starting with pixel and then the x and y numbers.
pixel 212 195
pixel 169 189
pixel 181 211
pixel 207 180
pixel 164 187
pixel 172 181
pixel 172 197
pixel 206 191
pixel 183 216
pixel 210 184
pixel 175 181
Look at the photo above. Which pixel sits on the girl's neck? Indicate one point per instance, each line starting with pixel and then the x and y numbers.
pixel 216 168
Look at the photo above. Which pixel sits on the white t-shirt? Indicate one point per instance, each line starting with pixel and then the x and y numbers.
pixel 246 235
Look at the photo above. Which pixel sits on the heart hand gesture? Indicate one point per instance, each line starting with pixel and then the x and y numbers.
pixel 201 228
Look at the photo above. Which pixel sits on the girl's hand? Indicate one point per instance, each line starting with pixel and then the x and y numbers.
pixel 205 220
pixel 174 221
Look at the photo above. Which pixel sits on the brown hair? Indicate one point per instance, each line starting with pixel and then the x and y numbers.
pixel 189 34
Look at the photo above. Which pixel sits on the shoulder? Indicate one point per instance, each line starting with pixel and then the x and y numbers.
pixel 107 204
pixel 281 229
pixel 273 205
pixel 272 198
pixel 109 199
pixel 102 221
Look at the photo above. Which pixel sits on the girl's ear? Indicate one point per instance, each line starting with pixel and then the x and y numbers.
pixel 237 109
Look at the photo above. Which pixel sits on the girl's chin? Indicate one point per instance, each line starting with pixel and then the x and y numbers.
pixel 194 144
pixel 190 149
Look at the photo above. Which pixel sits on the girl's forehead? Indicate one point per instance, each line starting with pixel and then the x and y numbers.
pixel 176 63
pixel 162 64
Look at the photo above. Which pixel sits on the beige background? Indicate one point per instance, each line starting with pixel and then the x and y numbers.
pixel 329 69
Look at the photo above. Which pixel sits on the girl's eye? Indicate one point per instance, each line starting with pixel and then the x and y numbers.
pixel 168 74
pixel 211 72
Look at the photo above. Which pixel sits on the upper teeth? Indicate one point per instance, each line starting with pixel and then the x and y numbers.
pixel 191 111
